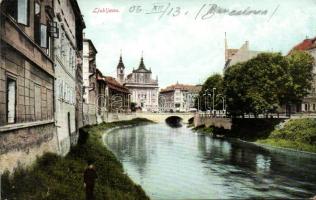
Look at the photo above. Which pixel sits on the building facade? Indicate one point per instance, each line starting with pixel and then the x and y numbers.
pixel 27 125
pixel 89 75
pixel 178 98
pixel 309 102
pixel 143 88
pixel 234 56
pixel 69 22
pixel 114 97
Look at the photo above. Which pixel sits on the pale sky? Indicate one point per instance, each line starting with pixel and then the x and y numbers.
pixel 186 49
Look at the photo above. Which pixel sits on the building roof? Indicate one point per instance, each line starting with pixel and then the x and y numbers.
pixel 142 67
pixel 190 88
pixel 121 64
pixel 113 84
pixel 304 45
pixel 91 44
pixel 234 56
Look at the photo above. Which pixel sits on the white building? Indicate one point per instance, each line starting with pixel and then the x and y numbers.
pixel 234 56
pixel 89 75
pixel 67 18
pixel 144 89
pixel 178 98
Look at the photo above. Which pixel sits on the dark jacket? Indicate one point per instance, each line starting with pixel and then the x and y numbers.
pixel 89 177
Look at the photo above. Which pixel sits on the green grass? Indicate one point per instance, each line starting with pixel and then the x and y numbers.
pixel 288 144
pixel 54 177
pixel 299 134
pixel 203 129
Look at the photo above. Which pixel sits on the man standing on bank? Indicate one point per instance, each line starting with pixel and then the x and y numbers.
pixel 90 175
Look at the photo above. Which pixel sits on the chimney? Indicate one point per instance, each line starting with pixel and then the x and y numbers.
pixel 83 35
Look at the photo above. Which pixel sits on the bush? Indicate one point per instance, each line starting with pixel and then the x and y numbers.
pixel 299 134
pixel 300 130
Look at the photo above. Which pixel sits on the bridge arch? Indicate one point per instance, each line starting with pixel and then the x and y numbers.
pixel 161 117
pixel 174 121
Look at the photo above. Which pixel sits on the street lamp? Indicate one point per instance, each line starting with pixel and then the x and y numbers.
pixel 210 95
pixel 205 94
pixel 213 99
pixel 198 99
pixel 223 99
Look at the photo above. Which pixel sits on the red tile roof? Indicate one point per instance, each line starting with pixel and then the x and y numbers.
pixel 304 45
pixel 192 88
pixel 113 84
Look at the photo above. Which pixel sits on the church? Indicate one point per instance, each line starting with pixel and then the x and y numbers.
pixel 143 88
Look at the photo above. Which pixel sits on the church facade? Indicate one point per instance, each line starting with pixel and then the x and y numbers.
pixel 143 88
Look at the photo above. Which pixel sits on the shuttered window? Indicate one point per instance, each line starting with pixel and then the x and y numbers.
pixel 11 100
pixel 38 102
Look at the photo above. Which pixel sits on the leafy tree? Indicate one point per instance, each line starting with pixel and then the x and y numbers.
pixel 300 66
pixel 263 83
pixel 234 89
pixel 214 81
pixel 252 86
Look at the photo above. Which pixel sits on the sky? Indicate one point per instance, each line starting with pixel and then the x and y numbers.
pixel 183 40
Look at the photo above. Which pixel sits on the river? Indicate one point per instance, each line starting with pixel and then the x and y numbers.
pixel 177 163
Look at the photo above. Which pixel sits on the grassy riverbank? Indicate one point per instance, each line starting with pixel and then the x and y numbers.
pixel 54 177
pixel 298 134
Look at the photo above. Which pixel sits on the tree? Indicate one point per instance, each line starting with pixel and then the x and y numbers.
pixel 214 81
pixel 263 83
pixel 253 86
pixel 300 66
pixel 234 90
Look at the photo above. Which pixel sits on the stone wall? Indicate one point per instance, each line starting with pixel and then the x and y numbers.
pixel 225 123
pixel 20 147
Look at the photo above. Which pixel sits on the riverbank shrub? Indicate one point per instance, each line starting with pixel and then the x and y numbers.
pixel 298 134
pixel 54 177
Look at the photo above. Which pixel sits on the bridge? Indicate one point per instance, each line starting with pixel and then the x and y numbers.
pixel 199 119
pixel 161 117
pixel 156 117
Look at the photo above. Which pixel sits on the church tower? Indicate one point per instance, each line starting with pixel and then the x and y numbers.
pixel 120 70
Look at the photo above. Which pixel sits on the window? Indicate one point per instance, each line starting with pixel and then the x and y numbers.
pixel 44 36
pixel 60 92
pixel 23 16
pixel 11 99
pixel 37 22
pixel 38 102
pixel 19 10
pixel 62 45
pixel 40 30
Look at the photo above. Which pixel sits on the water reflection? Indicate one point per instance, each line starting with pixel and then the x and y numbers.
pixel 177 163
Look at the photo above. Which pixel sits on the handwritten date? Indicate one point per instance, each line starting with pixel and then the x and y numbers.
pixel 205 11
